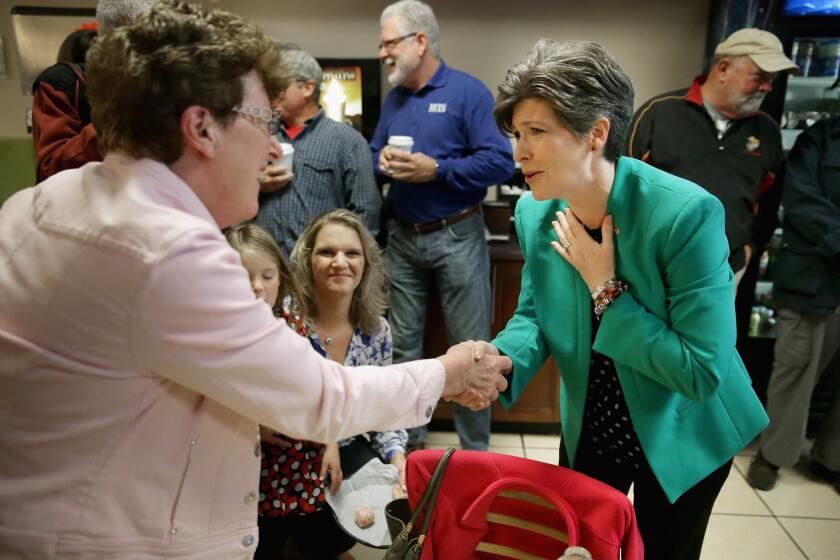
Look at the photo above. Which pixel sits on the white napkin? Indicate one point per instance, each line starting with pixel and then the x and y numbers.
pixel 372 485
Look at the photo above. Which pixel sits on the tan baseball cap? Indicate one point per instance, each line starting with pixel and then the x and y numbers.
pixel 763 48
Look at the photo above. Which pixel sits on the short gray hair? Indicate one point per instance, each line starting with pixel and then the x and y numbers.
pixel 580 80
pixel 116 13
pixel 717 58
pixel 302 66
pixel 413 17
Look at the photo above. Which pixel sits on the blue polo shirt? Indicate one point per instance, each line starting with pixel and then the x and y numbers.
pixel 451 120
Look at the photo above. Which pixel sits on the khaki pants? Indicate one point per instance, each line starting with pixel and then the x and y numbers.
pixel 805 345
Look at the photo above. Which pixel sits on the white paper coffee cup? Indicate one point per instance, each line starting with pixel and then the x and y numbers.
pixel 402 143
pixel 288 156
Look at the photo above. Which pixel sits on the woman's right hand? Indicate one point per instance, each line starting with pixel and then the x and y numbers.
pixel 594 261
pixel 331 465
pixel 474 375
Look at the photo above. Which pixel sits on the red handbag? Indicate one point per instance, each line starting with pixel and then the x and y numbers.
pixel 498 506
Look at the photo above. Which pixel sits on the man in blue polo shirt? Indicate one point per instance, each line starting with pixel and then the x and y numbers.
pixel 436 230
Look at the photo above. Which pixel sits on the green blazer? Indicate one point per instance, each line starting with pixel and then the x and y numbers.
pixel 671 335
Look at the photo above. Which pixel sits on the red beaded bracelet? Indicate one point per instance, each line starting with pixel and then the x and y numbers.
pixel 605 293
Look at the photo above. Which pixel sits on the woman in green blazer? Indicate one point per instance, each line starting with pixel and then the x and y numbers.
pixel 626 284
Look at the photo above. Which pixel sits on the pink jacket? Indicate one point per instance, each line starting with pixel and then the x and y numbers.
pixel 135 364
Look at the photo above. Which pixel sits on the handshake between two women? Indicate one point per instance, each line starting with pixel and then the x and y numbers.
pixel 475 374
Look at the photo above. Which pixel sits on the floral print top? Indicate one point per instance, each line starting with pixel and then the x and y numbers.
pixel 371 350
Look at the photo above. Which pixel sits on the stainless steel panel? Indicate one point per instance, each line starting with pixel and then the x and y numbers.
pixel 38 33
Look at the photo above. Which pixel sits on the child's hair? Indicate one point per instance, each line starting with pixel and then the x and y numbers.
pixel 254 238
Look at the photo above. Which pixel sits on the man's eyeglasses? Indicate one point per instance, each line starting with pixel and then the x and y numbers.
pixel 262 117
pixel 391 43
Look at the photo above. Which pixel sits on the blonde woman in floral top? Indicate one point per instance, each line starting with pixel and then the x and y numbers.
pixel 339 269
pixel 374 350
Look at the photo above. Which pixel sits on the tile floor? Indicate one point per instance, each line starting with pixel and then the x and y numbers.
pixel 797 520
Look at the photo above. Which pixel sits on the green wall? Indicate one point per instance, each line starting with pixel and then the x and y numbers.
pixel 17 165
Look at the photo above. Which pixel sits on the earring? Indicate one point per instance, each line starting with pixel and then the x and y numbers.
pixel 593 147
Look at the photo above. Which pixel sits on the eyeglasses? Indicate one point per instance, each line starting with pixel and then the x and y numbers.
pixel 262 117
pixel 391 43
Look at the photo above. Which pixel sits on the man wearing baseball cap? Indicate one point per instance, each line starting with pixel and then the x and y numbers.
pixel 713 133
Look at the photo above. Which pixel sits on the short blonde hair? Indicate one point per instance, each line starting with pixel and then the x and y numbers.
pixel 370 300
pixel 251 237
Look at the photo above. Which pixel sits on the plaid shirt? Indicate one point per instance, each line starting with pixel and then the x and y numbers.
pixel 332 169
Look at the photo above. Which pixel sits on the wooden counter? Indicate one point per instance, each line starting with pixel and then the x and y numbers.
pixel 540 402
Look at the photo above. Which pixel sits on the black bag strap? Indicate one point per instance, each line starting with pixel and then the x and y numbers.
pixel 78 95
pixel 76 70
pixel 430 493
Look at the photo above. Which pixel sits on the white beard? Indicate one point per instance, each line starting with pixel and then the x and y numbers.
pixel 748 104
pixel 403 67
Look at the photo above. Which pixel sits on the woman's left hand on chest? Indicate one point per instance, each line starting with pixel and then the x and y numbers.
pixel 594 261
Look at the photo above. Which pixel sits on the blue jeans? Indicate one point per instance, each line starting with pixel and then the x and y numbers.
pixel 457 261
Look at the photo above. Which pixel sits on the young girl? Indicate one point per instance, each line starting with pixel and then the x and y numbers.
pixel 339 269
pixel 292 500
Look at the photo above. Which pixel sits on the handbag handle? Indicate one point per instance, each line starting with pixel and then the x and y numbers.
pixel 431 492
pixel 476 515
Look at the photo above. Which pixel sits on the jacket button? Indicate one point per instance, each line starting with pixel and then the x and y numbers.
pixel 250 498
pixel 720 148
pixel 429 412
pixel 257 450
pixel 247 540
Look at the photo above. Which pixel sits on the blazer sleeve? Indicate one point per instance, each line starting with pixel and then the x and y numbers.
pixel 522 338
pixel 691 351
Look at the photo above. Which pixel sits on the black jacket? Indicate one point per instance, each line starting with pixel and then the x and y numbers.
pixel 806 274
pixel 675 133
